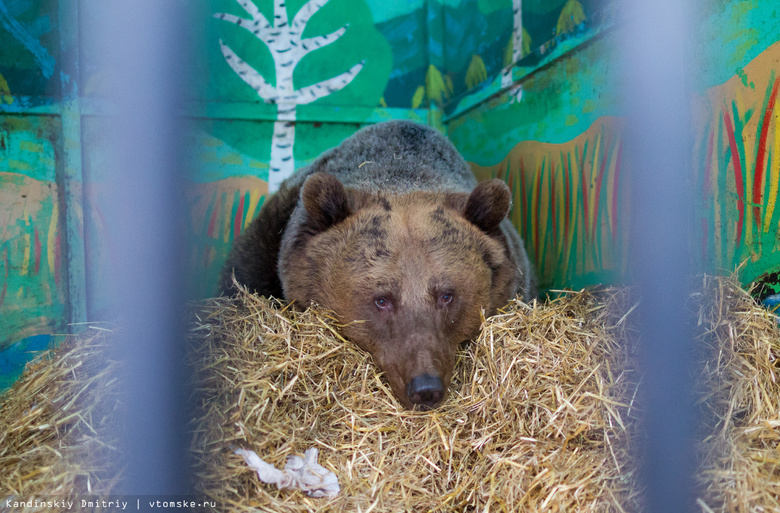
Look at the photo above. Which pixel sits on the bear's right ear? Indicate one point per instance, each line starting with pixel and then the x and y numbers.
pixel 488 204
pixel 325 201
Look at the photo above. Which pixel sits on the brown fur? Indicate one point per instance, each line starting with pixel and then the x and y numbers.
pixel 411 250
pixel 391 231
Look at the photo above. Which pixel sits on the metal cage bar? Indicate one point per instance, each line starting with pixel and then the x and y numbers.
pixel 655 65
pixel 144 59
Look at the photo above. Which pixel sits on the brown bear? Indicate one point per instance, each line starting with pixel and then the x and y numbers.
pixel 391 232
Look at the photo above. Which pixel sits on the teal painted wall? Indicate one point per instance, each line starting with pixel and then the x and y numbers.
pixel 34 274
pixel 33 293
pixel 556 134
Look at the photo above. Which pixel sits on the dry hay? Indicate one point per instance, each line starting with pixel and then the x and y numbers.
pixel 739 391
pixel 57 423
pixel 536 405
pixel 541 414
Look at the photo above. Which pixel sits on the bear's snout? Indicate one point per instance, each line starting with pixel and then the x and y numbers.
pixel 425 391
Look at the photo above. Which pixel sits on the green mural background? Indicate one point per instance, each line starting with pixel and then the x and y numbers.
pixel 527 90
pixel 564 119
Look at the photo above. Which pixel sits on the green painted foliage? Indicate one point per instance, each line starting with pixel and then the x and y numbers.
pixel 572 15
pixel 437 87
pixel 32 291
pixel 509 49
pixel 361 42
pixel 418 98
pixel 730 35
pixel 476 73
pixel 549 99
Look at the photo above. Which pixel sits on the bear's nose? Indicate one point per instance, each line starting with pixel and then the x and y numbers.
pixel 425 390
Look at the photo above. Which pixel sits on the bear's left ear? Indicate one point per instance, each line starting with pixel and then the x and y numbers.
pixel 325 201
pixel 488 204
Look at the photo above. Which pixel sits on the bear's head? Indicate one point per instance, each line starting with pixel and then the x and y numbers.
pixel 408 275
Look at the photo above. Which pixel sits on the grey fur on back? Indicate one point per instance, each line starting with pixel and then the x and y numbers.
pixel 395 157
pixel 398 157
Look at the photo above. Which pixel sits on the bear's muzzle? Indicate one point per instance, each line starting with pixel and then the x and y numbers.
pixel 425 391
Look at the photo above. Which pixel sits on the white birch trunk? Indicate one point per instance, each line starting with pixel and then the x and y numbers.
pixel 283 38
pixel 517 41
pixel 282 163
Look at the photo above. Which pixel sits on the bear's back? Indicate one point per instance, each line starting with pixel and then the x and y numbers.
pixel 395 158
pixel 392 158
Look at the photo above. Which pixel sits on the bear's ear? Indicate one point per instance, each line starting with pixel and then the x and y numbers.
pixel 325 201
pixel 488 204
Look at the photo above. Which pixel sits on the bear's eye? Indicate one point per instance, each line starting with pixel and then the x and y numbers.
pixel 382 302
pixel 446 298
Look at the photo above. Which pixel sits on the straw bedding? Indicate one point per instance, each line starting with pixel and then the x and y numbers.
pixel 63 408
pixel 541 415
pixel 739 391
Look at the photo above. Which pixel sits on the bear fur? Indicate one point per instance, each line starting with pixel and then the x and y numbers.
pixel 391 232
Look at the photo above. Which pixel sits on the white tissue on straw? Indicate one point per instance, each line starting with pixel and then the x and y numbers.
pixel 303 473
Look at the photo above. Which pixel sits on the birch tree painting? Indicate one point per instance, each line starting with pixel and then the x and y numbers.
pixel 517 48
pixel 284 40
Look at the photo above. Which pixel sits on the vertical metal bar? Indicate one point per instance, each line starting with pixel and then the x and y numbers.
pixel 71 183
pixel 655 64
pixel 145 65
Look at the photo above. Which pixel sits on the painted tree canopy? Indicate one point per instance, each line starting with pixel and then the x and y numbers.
pixel 323 52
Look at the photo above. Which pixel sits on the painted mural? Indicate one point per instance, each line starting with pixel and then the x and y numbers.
pixel 537 140
pixel 737 154
pixel 559 148
pixel 362 61
pixel 33 277
pixel 570 204
pixel 29 38
pixel 30 253
pixel 218 215
pixel 284 39
pixel 33 297
pixel 383 57
pixel 482 38
pixel 314 54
